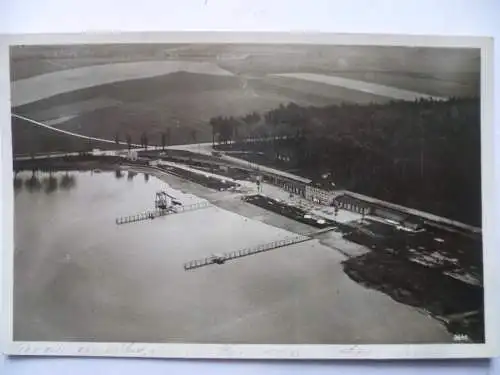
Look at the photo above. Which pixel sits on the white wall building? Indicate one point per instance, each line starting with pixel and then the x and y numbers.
pixel 318 195
pixel 132 155
pixel 155 163
pixel 99 152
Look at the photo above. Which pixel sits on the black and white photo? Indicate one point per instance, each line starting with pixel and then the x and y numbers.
pixel 247 192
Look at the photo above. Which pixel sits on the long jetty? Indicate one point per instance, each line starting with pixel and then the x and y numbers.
pixel 150 215
pixel 217 259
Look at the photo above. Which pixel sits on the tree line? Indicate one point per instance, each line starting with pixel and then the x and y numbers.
pixel 227 129
pixel 165 138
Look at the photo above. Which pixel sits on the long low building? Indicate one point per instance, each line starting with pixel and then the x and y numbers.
pixel 411 217
pixel 267 170
pixel 347 199
pixel 363 204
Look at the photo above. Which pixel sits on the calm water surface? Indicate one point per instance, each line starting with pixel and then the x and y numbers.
pixel 79 276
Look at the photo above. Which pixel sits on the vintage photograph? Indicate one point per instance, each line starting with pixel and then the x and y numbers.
pixel 247 193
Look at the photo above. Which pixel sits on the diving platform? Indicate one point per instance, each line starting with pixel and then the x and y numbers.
pixel 150 215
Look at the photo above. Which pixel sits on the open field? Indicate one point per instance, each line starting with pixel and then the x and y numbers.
pixel 400 67
pixel 102 90
pixel 43 86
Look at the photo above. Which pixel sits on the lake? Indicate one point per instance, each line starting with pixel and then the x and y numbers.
pixel 80 277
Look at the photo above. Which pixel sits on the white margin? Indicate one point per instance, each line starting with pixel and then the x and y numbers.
pixel 490 258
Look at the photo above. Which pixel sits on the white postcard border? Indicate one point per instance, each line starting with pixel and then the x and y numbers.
pixel 490 257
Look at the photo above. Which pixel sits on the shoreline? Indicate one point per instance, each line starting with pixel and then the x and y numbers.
pixel 231 201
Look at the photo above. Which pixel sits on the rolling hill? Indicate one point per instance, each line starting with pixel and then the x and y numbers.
pixel 260 78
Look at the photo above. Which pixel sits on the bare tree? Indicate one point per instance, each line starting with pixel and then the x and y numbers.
pixel 169 136
pixel 144 140
pixel 129 141
pixel 194 135
pixel 163 140
pixel 214 122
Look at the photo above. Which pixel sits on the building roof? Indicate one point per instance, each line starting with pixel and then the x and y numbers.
pixel 269 170
pixel 414 212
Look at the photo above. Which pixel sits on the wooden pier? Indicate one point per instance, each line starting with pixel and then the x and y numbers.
pixel 219 259
pixel 150 215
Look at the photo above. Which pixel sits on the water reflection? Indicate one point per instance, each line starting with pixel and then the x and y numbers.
pixel 33 183
pixel 18 182
pixel 68 181
pixel 50 182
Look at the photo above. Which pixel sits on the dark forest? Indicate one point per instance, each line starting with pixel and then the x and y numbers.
pixel 424 154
